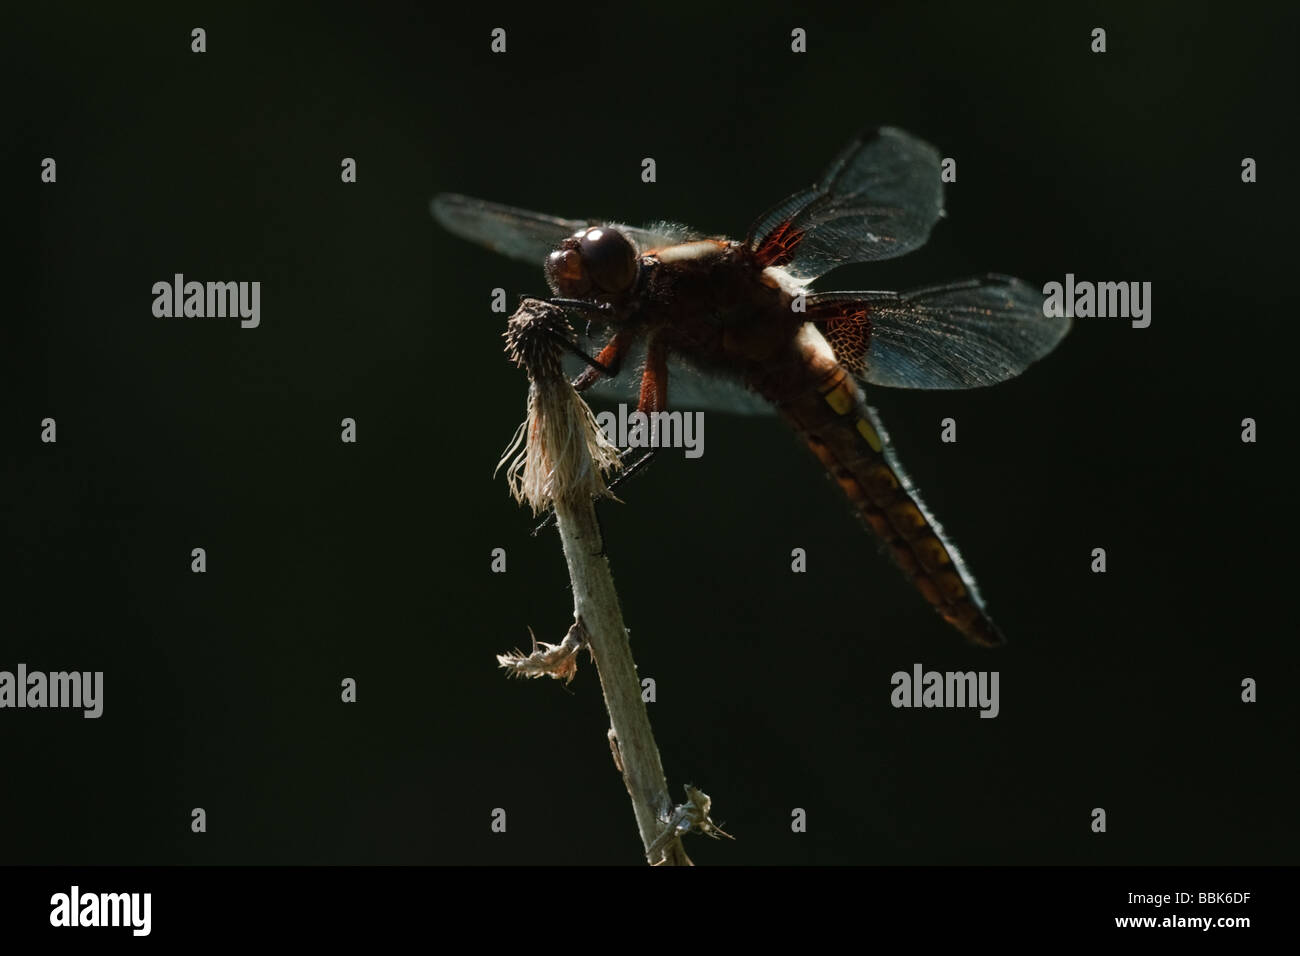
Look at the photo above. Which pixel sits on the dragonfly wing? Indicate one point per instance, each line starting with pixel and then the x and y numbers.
pixel 879 199
pixel 688 389
pixel 691 390
pixel 964 335
pixel 517 233
pixel 532 236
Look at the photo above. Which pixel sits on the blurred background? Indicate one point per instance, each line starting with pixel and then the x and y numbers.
pixel 372 560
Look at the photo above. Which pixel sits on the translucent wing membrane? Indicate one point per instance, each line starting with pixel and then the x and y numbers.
pixel 877 200
pixel 965 335
pixel 518 233
pixel 531 236
pixel 691 390
pixel 688 389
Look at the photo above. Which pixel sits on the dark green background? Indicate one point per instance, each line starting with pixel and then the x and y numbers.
pixel 372 560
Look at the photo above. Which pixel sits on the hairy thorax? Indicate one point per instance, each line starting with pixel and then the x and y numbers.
pixel 711 300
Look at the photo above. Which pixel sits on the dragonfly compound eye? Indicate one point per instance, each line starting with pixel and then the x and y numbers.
pixel 567 273
pixel 610 259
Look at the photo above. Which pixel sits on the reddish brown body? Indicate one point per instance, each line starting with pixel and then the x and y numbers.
pixel 715 307
pixel 723 311
pixel 807 389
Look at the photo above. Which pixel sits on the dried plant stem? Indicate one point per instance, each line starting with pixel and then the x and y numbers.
pixel 559 458
pixel 595 605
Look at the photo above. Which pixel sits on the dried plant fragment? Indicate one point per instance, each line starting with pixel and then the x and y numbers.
pixel 691 815
pixel 548 660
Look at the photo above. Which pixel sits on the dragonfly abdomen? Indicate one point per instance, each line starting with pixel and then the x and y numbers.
pixel 830 412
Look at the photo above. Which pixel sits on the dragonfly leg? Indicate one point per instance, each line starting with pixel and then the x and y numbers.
pixel 629 470
pixel 640 458
pixel 607 363
pixel 654 380
pixel 593 310
pixel 654 387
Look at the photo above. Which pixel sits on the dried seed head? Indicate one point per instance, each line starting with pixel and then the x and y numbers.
pixel 559 451
pixel 535 336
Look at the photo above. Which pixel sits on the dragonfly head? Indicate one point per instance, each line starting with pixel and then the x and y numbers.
pixel 596 261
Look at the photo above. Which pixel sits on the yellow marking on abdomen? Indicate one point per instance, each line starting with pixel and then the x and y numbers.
pixel 840 398
pixel 869 433
pixel 889 506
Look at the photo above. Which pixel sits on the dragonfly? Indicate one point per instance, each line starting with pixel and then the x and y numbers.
pixel 734 325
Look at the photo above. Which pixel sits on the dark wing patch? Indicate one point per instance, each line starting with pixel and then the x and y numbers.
pixel 846 326
pixel 777 248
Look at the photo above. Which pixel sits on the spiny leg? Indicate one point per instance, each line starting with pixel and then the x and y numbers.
pixel 654 393
pixel 654 380
pixel 607 363
pixel 639 457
